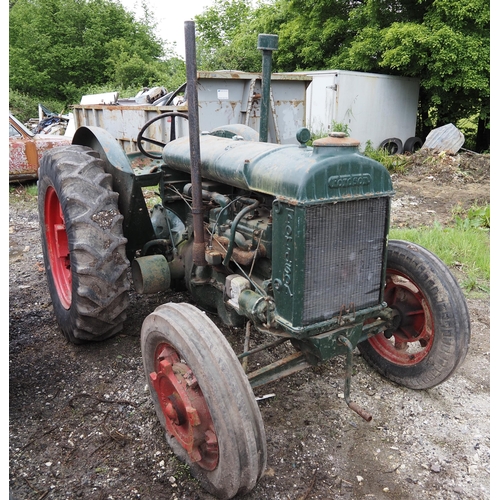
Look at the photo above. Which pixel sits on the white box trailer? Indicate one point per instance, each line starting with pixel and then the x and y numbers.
pixel 381 109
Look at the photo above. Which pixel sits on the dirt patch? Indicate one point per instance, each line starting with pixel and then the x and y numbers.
pixel 436 186
pixel 82 424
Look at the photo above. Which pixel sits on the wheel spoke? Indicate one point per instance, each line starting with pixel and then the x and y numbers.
pixel 400 346
pixel 153 141
pixel 412 338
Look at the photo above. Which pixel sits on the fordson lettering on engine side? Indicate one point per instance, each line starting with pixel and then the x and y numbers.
pixel 345 181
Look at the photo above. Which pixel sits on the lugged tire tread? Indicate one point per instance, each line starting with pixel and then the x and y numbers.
pixel 99 261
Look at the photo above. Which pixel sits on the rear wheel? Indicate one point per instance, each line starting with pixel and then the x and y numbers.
pixel 83 244
pixel 203 399
pixel 431 330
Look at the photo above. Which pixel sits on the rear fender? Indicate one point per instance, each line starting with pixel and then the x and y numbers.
pixel 137 227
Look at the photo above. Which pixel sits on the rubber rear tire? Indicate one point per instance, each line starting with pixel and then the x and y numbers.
pixel 432 337
pixel 192 348
pixel 83 244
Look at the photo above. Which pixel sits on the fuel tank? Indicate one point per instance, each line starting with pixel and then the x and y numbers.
pixel 332 169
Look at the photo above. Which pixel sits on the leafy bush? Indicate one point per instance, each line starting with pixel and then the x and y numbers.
pixel 24 107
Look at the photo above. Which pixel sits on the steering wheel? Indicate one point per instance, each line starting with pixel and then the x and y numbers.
pixel 141 137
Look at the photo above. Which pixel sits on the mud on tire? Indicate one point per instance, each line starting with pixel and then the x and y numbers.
pixel 83 244
pixel 190 365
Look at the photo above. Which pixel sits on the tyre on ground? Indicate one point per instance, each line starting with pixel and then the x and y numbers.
pixel 203 399
pixel 412 145
pixel 431 332
pixel 83 244
pixel 393 146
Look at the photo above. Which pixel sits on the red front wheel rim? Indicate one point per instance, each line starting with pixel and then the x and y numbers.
pixel 412 339
pixel 183 404
pixel 57 247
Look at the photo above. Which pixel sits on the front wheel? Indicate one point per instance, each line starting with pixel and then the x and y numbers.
pixel 203 399
pixel 83 244
pixel 431 332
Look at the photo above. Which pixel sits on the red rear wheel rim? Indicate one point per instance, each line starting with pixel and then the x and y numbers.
pixel 57 247
pixel 413 337
pixel 186 411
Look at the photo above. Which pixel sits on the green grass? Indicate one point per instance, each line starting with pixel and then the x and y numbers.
pixel 465 250
pixel 27 190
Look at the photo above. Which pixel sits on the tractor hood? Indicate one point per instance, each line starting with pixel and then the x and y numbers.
pixel 333 169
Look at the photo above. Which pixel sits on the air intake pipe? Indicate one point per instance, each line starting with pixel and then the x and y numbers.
pixel 266 43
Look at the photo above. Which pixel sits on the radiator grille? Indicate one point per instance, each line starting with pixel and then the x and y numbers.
pixel 344 256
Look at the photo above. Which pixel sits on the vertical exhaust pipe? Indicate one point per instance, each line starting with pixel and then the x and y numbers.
pixel 266 43
pixel 194 144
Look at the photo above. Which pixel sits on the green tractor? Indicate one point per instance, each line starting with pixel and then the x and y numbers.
pixel 292 239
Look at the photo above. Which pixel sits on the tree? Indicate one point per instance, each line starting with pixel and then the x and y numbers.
pixel 445 43
pixel 221 33
pixel 447 47
pixel 59 47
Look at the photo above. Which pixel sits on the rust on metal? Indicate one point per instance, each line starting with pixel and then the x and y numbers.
pixel 278 370
pixel 194 145
pixel 362 413
pixel 187 415
pixel 242 257
pixel 26 150
pixel 347 384
pixel 336 141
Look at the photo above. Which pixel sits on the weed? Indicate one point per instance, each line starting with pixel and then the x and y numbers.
pixel 393 163
pixel 336 127
pixel 471 284
pixel 24 190
pixel 476 217
pixel 341 127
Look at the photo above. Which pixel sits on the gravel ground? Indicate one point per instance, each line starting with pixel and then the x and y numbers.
pixel 82 425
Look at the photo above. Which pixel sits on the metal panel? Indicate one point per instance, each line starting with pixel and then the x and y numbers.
pixel 233 97
pixel 446 138
pixel 125 122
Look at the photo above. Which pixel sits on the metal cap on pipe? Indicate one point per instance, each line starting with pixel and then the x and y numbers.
pixel 267 42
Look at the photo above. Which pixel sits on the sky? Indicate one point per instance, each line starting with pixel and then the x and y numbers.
pixel 170 17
